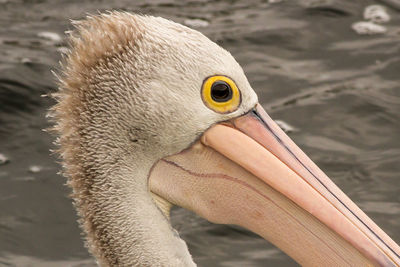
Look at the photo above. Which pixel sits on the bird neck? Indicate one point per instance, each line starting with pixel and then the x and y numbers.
pixel 123 224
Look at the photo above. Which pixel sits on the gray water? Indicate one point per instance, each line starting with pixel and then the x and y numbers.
pixel 338 89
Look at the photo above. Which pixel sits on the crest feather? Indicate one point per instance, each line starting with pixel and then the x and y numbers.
pixel 94 42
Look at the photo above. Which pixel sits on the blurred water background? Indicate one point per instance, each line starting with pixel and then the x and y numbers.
pixel 339 90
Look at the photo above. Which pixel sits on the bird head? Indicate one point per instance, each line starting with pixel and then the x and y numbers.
pixel 149 94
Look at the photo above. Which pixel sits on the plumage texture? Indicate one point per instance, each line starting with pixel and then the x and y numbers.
pixel 129 96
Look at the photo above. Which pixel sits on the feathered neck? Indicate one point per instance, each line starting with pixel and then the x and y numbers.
pixel 104 155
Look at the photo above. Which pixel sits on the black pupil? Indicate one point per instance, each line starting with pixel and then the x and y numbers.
pixel 221 91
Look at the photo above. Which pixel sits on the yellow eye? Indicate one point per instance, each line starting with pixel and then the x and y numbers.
pixel 220 94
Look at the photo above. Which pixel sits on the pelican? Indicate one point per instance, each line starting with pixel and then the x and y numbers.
pixel 151 114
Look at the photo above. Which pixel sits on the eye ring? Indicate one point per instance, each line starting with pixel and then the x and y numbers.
pixel 220 94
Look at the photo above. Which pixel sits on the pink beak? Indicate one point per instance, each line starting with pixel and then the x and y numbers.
pixel 249 172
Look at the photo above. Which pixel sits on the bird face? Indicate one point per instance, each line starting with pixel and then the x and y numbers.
pixel 193 84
